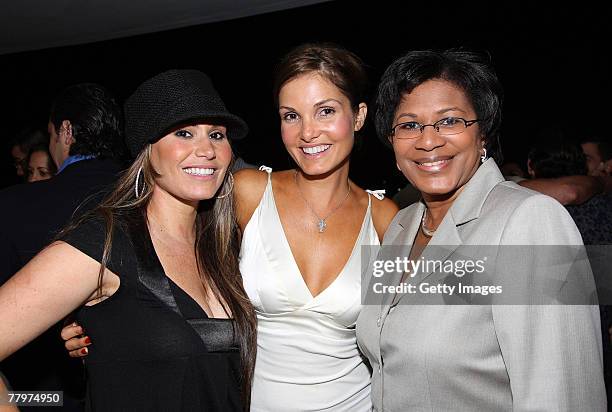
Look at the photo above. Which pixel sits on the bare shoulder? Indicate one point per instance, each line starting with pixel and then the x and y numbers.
pixel 282 179
pixel 383 212
pixel 249 186
pixel 249 183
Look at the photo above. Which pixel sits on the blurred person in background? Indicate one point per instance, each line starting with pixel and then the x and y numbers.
pixel 512 171
pixel 597 153
pixel 21 145
pixel 567 188
pixel 86 138
pixel 40 164
pixel 555 157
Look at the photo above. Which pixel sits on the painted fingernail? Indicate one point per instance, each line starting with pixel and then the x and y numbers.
pixel 84 351
pixel 87 340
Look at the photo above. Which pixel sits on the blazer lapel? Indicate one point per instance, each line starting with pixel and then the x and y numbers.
pixel 465 208
pixel 469 203
pixel 399 244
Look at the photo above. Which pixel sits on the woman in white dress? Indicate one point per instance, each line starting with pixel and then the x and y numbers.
pixel 302 235
pixel 302 232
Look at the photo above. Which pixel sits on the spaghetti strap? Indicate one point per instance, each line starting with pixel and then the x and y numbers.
pixel 269 171
pixel 378 194
pixel 265 169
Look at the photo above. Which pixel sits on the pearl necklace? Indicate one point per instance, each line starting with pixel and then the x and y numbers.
pixel 427 232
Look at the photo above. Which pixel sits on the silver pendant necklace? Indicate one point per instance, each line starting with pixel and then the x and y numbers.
pixel 321 224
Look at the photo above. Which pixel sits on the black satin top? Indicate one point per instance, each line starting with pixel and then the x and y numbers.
pixel 153 347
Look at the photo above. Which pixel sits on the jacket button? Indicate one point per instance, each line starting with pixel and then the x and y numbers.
pixel 378 322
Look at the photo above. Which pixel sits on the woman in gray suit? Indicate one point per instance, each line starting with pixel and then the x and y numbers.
pixel 429 348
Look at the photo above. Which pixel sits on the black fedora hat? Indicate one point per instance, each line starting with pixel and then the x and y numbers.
pixel 172 98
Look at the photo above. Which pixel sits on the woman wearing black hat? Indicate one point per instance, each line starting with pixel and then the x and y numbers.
pixel 154 268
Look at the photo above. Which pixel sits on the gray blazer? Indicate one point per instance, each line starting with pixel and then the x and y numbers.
pixel 487 357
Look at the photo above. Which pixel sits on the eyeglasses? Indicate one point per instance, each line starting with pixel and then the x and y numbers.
pixel 445 127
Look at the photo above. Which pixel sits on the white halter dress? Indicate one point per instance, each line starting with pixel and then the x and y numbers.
pixel 307 356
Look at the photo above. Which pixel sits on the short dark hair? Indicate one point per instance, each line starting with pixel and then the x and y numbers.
pixel 467 70
pixel 335 63
pixel 96 119
pixel 555 155
pixel 603 147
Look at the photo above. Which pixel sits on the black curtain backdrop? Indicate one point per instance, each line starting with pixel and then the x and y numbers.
pixel 551 61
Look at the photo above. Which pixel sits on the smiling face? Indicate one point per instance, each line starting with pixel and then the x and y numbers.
pixel 317 123
pixel 191 162
pixel 437 165
pixel 39 167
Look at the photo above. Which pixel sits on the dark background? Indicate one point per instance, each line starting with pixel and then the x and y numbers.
pixel 552 61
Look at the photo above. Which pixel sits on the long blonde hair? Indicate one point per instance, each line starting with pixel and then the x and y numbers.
pixel 216 248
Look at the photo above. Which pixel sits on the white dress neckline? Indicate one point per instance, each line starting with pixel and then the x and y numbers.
pixel 307 355
pixel 291 257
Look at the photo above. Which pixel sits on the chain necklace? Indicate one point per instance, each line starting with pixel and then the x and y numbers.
pixel 321 224
pixel 427 232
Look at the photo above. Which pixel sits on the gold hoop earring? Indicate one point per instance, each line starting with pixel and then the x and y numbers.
pixel 231 183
